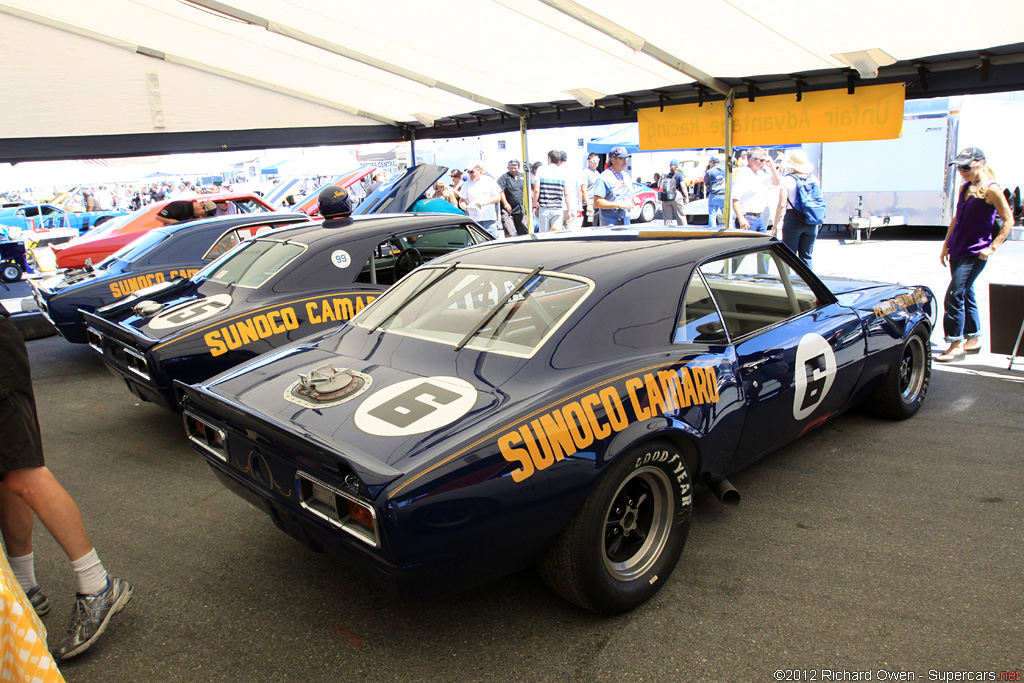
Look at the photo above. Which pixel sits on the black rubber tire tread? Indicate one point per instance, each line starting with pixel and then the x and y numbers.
pixel 885 401
pixel 563 568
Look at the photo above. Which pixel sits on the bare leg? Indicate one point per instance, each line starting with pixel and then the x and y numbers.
pixel 16 521
pixel 40 490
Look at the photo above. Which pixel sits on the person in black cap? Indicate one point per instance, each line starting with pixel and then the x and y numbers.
pixel 613 191
pixel 335 206
pixel 971 239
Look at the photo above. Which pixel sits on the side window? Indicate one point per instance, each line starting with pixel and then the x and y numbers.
pixel 229 239
pixel 395 257
pixel 699 321
pixel 247 206
pixel 756 290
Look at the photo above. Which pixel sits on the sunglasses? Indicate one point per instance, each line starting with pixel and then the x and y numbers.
pixel 966 168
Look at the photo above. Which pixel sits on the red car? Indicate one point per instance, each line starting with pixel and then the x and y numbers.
pixel 107 238
pixel 310 205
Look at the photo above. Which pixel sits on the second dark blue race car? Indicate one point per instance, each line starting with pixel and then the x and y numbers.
pixel 164 254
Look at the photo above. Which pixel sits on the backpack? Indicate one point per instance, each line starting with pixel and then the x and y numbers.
pixel 808 200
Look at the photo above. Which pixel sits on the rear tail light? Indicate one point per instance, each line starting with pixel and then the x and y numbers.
pixel 136 362
pixel 206 436
pixel 341 509
pixel 95 338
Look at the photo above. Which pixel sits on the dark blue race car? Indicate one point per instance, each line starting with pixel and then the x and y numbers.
pixel 554 401
pixel 269 291
pixel 160 255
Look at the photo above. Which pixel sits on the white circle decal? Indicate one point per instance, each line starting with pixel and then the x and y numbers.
pixel 341 259
pixel 814 373
pixel 415 406
pixel 190 312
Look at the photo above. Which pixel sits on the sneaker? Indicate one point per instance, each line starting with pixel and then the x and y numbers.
pixel 40 603
pixel 91 615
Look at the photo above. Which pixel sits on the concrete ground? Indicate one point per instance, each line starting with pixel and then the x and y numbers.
pixel 868 545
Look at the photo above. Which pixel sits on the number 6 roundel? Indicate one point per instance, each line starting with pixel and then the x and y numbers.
pixel 415 406
pixel 813 375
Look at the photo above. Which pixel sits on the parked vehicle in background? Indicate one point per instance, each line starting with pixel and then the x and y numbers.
pixel 103 241
pixel 272 290
pixel 645 204
pixel 55 221
pixel 161 255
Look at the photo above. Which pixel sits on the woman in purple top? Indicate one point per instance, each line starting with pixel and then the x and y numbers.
pixel 969 243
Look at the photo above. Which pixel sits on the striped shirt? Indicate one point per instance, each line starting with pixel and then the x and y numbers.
pixel 550 187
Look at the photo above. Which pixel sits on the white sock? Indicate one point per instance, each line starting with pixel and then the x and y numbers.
pixel 24 569
pixel 90 574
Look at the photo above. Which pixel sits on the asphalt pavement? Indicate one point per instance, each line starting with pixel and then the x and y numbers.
pixel 866 546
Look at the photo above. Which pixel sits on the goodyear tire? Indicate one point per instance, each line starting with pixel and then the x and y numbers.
pixel 623 544
pixel 905 385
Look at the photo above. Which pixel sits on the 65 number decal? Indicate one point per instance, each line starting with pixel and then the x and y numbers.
pixel 415 406
pixel 190 312
pixel 815 372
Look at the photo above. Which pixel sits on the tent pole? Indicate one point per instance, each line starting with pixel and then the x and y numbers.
pixel 727 213
pixel 412 148
pixel 527 199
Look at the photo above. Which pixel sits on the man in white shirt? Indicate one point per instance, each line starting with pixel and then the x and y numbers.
pixel 750 189
pixel 480 196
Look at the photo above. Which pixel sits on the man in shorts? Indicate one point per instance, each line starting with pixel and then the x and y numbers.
pixel 27 489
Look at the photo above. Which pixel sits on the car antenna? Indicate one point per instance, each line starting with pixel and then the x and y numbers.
pixel 496 307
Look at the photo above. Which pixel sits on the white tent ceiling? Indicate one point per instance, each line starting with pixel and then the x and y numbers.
pixel 134 76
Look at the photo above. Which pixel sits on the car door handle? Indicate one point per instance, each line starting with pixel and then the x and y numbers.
pixel 754 364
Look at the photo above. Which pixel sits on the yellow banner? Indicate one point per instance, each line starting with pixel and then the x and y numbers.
pixel 873 112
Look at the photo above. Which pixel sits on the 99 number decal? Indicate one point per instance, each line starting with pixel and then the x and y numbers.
pixel 415 406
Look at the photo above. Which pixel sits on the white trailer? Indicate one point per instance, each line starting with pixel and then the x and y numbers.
pixel 906 181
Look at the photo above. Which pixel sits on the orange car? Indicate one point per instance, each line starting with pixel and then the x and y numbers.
pixel 107 238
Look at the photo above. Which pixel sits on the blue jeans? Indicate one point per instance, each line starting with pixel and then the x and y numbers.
pixel 716 207
pixel 756 223
pixel 799 236
pixel 491 227
pixel 961 317
pixel 614 216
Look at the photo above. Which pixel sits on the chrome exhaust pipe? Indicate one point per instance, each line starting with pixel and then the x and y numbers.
pixel 726 493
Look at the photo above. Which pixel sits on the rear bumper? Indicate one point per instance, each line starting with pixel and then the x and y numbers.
pixel 131 365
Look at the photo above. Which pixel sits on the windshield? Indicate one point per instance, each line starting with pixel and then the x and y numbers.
pixel 133 250
pixel 504 310
pixel 252 263
pixel 114 223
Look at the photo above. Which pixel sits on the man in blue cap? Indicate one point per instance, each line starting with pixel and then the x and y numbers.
pixel 613 191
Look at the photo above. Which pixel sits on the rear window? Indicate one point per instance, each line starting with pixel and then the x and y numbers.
pixel 132 250
pixel 253 263
pixel 503 310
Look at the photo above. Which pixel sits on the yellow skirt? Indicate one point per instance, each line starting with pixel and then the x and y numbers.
pixel 23 654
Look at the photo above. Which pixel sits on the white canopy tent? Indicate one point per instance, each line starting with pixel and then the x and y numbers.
pixel 128 77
